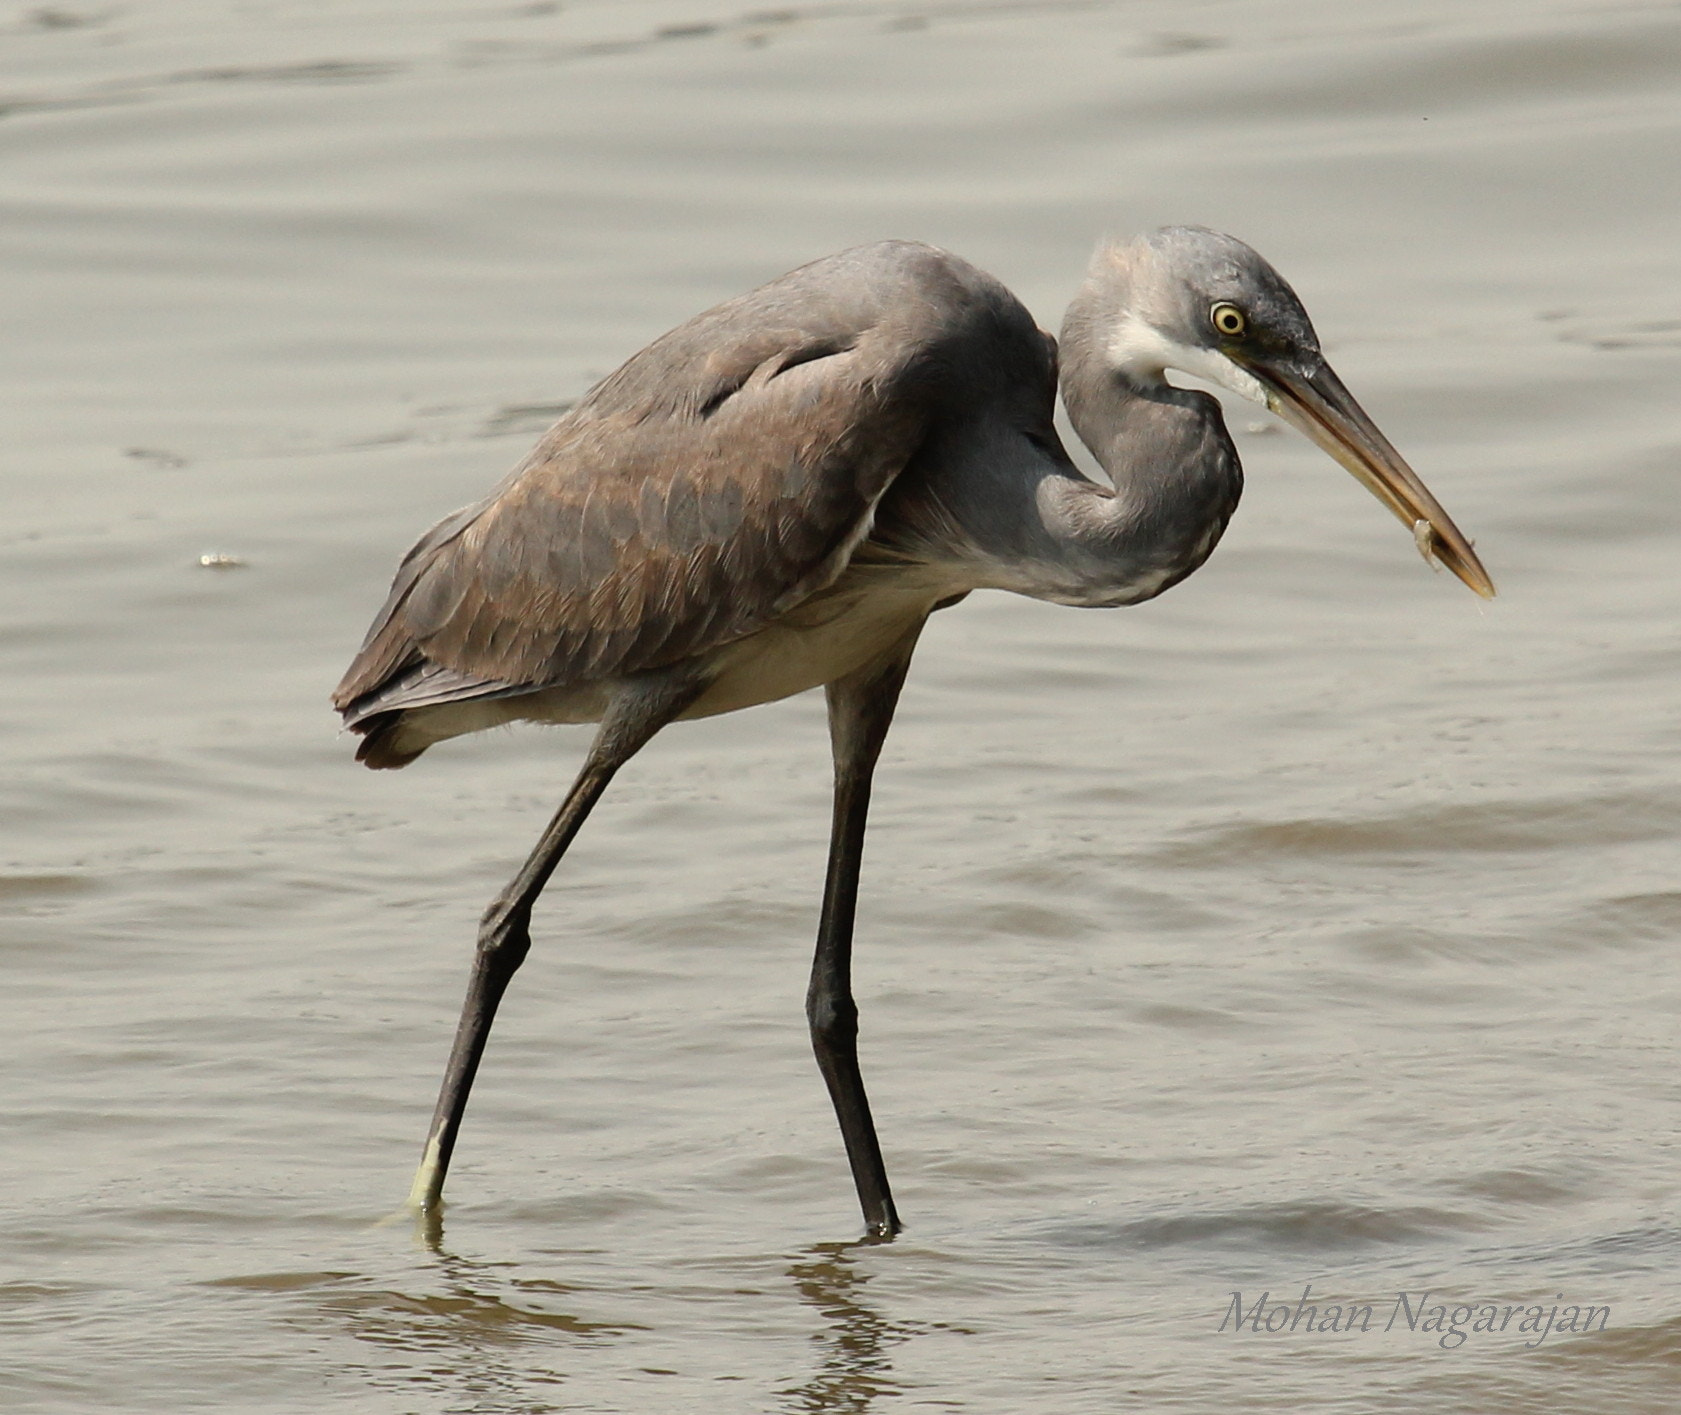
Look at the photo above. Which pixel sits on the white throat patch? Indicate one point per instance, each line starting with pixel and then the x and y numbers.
pixel 1144 354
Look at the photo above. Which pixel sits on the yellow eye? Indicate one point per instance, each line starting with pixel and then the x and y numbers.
pixel 1228 320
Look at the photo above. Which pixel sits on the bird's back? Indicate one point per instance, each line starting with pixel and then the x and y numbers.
pixel 722 476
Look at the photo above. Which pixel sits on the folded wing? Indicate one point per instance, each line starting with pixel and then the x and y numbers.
pixel 719 477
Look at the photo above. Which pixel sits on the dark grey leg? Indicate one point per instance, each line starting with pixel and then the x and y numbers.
pixel 504 933
pixel 860 711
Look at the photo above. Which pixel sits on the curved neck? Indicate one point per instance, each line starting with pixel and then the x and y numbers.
pixel 1175 474
pixel 995 502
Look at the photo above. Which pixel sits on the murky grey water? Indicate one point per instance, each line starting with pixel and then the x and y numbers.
pixel 1311 925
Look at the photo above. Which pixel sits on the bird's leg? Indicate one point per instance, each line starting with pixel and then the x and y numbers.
pixel 635 715
pixel 860 710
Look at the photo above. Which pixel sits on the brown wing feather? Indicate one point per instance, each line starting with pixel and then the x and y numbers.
pixel 716 479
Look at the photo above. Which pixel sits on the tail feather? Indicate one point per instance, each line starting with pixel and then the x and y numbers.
pixel 380 747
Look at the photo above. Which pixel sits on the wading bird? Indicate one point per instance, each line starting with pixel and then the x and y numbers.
pixel 776 495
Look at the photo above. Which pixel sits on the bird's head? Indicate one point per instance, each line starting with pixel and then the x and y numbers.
pixel 1207 305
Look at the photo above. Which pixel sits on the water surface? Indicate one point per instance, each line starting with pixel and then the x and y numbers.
pixel 1314 924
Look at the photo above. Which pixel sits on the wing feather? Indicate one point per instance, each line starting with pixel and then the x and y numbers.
pixel 716 479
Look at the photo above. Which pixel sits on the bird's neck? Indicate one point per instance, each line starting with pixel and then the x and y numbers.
pixel 997 504
pixel 1174 472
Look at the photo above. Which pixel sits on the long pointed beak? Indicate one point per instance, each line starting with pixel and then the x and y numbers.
pixel 1321 408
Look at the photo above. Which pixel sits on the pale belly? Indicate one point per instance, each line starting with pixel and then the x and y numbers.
pixel 822 640
pixel 834 633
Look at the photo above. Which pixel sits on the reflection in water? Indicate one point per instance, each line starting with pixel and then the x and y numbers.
pixel 488 1339
pixel 482 1337
pixel 853 1368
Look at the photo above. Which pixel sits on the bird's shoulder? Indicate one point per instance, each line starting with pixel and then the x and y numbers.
pixel 903 311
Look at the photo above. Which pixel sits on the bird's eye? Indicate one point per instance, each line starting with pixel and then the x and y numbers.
pixel 1228 320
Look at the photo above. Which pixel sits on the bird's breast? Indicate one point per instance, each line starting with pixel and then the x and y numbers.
pixel 833 633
